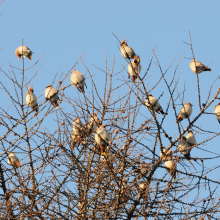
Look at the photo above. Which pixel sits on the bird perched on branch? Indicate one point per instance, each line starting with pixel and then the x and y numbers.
pixel 217 112
pixel 127 52
pixel 153 105
pixel 170 166
pixel 165 156
pixel 185 112
pixel 78 80
pixel 31 99
pixel 13 160
pixel 191 138
pixel 102 138
pixel 77 131
pixel 184 147
pixel 51 94
pixel 134 69
pixel 91 125
pixel 23 51
pixel 198 67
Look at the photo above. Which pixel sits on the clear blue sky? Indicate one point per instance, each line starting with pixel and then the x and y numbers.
pixel 63 30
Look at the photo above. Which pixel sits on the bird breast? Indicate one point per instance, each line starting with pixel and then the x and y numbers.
pixel 134 70
pixel 49 92
pixel 104 135
pixel 169 164
pixel 152 102
pixel 77 78
pixel 127 52
pixel 183 148
pixel 191 138
pixel 31 100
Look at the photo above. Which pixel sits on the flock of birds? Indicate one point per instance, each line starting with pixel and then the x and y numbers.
pixel 102 136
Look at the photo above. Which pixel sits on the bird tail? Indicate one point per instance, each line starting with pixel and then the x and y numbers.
pixel 137 58
pixel 18 164
pixel 219 121
pixel 56 104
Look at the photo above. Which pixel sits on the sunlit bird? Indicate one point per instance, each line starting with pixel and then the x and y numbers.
pixel 31 99
pixel 190 138
pixel 153 105
pixel 13 160
pixel 184 147
pixel 102 138
pixel 51 94
pixel 91 125
pixel 23 51
pixel 78 80
pixel 185 112
pixel 170 166
pixel 127 52
pixel 134 69
pixel 77 131
pixel 198 67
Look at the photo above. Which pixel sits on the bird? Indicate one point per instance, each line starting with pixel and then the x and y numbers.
pixel 198 67
pixel 167 156
pixel 13 160
pixel 77 131
pixel 217 112
pixel 31 99
pixel 127 52
pixel 153 105
pixel 191 138
pixel 184 147
pixel 52 95
pixel 78 80
pixel 102 138
pixel 91 125
pixel 185 112
pixel 23 51
pixel 170 166
pixel 134 69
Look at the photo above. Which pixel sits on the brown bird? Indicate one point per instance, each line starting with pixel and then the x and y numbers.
pixel 184 147
pixel 52 95
pixel 91 125
pixel 198 67
pixel 23 51
pixel 134 69
pixel 78 80
pixel 13 160
pixel 102 138
pixel 170 166
pixel 127 52
pixel 31 99
pixel 153 105
pixel 185 112
pixel 77 132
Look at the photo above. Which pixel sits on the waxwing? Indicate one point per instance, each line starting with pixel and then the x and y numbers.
pixel 52 95
pixel 23 51
pixel 185 112
pixel 13 160
pixel 127 52
pixel 102 138
pixel 198 67
pixel 78 80
pixel 31 99
pixel 134 69
pixel 153 104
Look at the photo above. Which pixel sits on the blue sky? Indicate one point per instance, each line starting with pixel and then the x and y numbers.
pixel 63 30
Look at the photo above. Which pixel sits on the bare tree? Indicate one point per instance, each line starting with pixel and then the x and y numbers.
pixel 66 175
